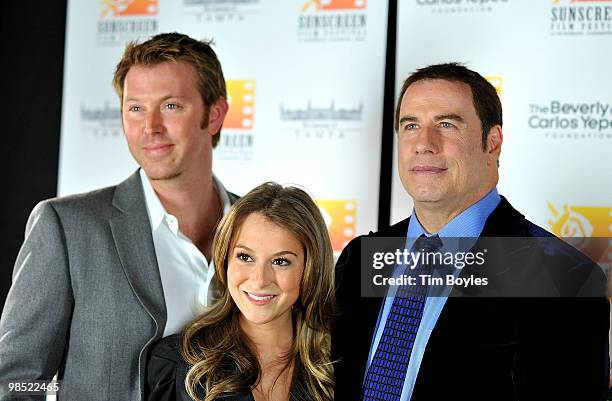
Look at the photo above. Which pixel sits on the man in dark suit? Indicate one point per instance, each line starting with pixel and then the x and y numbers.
pixel 103 275
pixel 449 126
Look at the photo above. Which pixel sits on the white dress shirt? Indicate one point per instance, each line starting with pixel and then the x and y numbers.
pixel 185 273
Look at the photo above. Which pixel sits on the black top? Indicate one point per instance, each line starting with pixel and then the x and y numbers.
pixel 166 371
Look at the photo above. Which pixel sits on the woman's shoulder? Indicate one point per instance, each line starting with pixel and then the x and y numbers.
pixel 166 371
pixel 167 349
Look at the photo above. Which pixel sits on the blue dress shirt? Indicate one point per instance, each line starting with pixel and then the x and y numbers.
pixel 468 224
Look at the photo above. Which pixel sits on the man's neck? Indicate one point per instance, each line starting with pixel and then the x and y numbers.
pixel 435 216
pixel 433 221
pixel 196 204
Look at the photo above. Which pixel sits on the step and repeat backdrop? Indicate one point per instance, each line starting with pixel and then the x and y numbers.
pixel 550 62
pixel 305 82
pixel 306 78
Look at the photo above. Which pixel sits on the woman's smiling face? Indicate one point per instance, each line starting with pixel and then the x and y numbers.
pixel 264 271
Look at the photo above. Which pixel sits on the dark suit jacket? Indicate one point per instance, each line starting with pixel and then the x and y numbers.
pixel 485 348
pixel 166 371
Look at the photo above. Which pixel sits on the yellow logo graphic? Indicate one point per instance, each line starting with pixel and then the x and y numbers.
pixel 496 81
pixel 584 223
pixel 120 8
pixel 241 98
pixel 327 5
pixel 340 217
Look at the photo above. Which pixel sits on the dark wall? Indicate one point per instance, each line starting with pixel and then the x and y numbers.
pixel 386 157
pixel 32 35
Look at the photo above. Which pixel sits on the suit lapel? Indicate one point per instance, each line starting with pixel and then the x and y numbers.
pixel 132 235
pixel 504 221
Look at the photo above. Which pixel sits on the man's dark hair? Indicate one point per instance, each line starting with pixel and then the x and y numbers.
pixel 486 101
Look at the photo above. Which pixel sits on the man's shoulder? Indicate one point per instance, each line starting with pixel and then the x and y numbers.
pixel 527 228
pixel 97 202
pixel 506 221
pixel 571 270
pixel 100 195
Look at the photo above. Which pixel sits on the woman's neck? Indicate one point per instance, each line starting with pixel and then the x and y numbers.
pixel 273 343
pixel 272 339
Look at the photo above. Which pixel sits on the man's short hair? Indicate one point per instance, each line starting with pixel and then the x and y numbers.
pixel 486 101
pixel 177 47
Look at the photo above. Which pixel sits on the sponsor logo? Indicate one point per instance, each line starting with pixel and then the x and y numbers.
pixel 241 98
pixel 559 119
pixel 102 121
pixel 582 226
pixel 581 17
pixel 123 20
pixel 220 11
pixel 326 121
pixel 332 20
pixel 326 5
pixel 340 217
pixel 128 7
pixel 237 137
pixel 460 6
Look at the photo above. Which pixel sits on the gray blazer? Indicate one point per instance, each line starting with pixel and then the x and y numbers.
pixel 86 298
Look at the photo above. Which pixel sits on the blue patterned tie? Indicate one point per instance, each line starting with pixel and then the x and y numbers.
pixel 385 377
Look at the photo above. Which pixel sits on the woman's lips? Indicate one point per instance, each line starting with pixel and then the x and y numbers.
pixel 259 299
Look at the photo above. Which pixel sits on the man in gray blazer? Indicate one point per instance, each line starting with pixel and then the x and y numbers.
pixel 102 275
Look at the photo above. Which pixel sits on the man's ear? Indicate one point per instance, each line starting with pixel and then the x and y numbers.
pixel 494 144
pixel 216 115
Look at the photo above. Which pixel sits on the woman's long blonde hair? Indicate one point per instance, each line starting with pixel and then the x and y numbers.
pixel 219 354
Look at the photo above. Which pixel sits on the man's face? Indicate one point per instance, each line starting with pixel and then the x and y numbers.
pixel 163 115
pixel 441 160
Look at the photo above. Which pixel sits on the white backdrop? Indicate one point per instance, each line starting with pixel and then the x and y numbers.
pixel 550 61
pixel 305 81
pixel 306 77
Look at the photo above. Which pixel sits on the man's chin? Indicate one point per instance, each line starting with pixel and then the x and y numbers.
pixel 425 194
pixel 157 175
pixel 427 201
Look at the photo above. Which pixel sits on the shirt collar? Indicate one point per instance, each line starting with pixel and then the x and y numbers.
pixel 467 224
pixel 223 195
pixel 156 210
pixel 154 206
